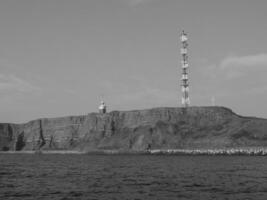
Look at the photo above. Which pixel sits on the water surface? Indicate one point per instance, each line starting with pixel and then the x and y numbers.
pixel 132 177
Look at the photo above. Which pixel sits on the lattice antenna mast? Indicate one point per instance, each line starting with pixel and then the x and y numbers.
pixel 185 65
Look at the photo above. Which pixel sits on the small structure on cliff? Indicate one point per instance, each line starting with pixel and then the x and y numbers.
pixel 185 65
pixel 102 108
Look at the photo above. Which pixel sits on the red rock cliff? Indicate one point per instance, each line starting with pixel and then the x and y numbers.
pixel 157 128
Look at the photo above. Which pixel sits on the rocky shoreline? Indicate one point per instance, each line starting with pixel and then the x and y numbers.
pixel 231 151
pixel 228 151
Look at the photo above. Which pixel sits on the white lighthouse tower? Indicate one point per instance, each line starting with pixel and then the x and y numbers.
pixel 185 65
pixel 102 108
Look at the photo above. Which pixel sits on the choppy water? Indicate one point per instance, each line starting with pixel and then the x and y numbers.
pixel 132 177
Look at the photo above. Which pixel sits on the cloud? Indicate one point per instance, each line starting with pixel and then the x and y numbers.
pixel 138 2
pixel 232 77
pixel 239 66
pixel 70 91
pixel 12 85
pixel 245 61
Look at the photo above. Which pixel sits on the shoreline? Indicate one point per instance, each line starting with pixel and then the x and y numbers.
pixel 257 151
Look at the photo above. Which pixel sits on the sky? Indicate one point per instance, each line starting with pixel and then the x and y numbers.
pixel 60 57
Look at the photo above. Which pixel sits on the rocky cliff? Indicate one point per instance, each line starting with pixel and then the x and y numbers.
pixel 157 128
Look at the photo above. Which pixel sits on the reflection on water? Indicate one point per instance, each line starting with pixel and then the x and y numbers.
pixel 132 177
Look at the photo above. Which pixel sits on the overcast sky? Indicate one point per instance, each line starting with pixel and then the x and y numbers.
pixel 58 57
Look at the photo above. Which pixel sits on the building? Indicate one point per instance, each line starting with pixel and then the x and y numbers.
pixel 102 108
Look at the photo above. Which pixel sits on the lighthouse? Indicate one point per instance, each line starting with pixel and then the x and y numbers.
pixel 102 108
pixel 185 65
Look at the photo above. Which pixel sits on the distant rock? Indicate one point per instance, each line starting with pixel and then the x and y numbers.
pixel 139 130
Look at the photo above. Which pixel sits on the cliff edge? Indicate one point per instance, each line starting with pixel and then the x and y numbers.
pixel 138 130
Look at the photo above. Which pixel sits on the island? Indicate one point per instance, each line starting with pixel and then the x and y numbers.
pixel 192 130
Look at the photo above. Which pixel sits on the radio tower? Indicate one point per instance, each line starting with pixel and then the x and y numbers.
pixel 185 83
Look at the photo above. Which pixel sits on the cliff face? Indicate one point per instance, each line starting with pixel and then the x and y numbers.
pixel 158 128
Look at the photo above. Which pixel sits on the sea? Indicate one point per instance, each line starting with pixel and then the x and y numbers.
pixel 133 177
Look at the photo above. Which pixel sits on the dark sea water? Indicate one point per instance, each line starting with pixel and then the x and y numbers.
pixel 146 177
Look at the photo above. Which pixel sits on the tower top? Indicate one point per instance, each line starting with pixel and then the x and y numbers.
pixel 184 37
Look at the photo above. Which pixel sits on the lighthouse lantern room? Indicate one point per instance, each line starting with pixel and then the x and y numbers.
pixel 102 108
